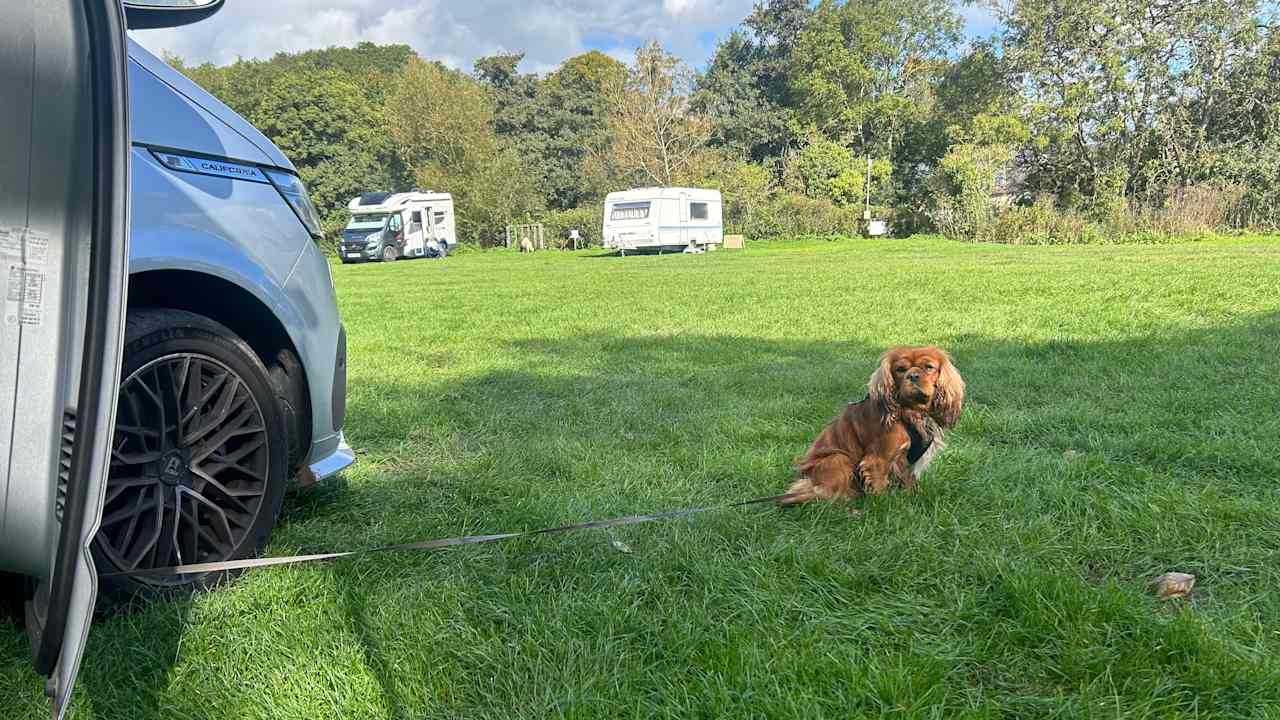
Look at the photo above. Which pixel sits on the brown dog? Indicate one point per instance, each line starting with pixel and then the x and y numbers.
pixel 914 396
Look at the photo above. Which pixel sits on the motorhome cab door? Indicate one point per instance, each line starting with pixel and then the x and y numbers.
pixel 395 232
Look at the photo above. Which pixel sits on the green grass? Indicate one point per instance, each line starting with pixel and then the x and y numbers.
pixel 1122 423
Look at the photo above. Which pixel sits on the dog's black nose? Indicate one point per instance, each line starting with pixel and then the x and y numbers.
pixel 914 376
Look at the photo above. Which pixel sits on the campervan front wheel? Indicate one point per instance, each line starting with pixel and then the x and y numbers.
pixel 200 460
pixel 389 254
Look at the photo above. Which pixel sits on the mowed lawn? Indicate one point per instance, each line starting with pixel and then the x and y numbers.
pixel 1123 421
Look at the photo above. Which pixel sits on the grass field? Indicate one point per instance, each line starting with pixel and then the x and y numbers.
pixel 1122 423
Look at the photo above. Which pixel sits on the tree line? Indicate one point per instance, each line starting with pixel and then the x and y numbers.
pixel 1076 121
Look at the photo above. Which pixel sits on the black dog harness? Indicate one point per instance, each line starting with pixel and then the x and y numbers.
pixel 919 445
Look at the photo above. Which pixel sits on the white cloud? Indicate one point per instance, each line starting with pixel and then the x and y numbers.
pixel 455 32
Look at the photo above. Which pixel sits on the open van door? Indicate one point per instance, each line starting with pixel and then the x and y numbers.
pixel 63 265
pixel 64 185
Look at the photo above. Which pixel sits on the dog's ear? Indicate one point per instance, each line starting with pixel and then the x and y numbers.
pixel 948 396
pixel 883 389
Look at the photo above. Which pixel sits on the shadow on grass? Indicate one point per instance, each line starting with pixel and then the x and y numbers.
pixel 716 417
pixel 723 416
pixel 128 657
pixel 1201 401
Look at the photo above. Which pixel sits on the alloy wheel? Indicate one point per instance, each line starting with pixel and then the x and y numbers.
pixel 189 466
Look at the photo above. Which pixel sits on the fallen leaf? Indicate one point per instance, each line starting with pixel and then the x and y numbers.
pixel 1173 585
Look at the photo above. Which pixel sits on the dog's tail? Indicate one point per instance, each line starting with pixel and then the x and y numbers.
pixel 802 490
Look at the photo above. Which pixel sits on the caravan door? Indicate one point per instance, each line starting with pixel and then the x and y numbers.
pixel 684 219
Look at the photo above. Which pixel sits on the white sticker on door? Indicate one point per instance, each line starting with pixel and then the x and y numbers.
pixel 24 303
pixel 11 242
pixel 37 248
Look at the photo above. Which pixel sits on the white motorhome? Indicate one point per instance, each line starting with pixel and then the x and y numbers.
pixel 386 226
pixel 663 219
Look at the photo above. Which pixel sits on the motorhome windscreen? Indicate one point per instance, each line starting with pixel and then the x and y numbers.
pixel 367 221
pixel 630 211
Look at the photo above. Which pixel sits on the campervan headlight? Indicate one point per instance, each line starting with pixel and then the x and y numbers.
pixel 295 193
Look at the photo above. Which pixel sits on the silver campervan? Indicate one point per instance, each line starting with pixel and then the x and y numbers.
pixel 171 355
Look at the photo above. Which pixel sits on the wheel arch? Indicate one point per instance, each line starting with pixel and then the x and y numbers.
pixel 249 317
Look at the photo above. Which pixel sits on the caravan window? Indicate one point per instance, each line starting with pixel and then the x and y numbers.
pixel 630 211
pixel 439 218
pixel 698 211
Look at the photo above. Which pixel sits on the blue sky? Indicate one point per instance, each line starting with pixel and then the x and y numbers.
pixel 457 32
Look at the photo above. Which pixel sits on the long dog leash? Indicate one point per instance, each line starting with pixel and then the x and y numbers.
pixel 201 568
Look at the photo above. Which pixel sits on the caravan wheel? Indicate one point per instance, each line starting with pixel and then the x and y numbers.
pixel 389 254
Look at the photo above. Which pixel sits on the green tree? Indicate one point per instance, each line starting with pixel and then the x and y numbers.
pixel 1122 91
pixel 826 170
pixel 552 121
pixel 654 136
pixel 572 118
pixel 864 72
pixel 746 91
pixel 514 95
pixel 443 123
pixel 978 82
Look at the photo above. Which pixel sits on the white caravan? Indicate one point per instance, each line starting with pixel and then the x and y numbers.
pixel 387 227
pixel 663 219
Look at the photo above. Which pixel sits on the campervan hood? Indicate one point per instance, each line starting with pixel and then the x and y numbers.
pixel 170 111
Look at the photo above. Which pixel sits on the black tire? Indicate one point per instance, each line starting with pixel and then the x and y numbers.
pixel 225 462
pixel 444 249
pixel 389 253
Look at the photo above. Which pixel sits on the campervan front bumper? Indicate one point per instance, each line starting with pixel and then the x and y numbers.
pixel 358 251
